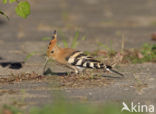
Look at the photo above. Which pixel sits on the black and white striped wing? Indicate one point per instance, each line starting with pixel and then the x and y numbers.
pixel 78 58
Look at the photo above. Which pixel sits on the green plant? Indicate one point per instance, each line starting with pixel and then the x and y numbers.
pixel 65 43
pixel 146 54
pixel 62 106
pixel 22 9
pixel 77 108
pixel 30 55
pixel 74 42
pixel 109 49
pixel 7 109
pixel 149 52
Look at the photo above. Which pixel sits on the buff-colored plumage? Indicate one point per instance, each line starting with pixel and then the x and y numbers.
pixel 74 59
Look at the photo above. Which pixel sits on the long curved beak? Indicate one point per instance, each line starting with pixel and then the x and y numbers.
pixel 46 61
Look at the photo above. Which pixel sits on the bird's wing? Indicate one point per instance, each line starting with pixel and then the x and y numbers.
pixel 78 58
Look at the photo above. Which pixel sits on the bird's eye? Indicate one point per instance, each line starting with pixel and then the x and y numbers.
pixel 52 51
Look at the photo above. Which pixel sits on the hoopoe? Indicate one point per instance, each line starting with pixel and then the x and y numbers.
pixel 76 60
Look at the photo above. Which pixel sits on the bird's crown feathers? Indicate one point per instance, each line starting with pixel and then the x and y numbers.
pixel 52 43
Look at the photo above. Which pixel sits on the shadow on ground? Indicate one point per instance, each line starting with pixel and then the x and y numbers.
pixel 12 65
pixel 2 22
pixel 49 72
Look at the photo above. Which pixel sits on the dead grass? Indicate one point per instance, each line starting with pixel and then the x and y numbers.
pixel 126 56
pixel 86 80
pixel 20 77
pixel 83 81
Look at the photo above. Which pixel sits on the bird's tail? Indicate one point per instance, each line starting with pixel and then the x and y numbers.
pixel 109 68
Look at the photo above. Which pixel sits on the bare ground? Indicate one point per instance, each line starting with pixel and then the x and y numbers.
pixel 104 21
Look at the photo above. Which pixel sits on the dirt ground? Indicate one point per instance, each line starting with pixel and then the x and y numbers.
pixel 104 21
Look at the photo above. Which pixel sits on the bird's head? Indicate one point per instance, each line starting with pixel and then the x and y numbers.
pixel 52 45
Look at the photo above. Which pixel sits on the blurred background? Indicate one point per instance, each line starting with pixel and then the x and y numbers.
pixel 108 22
pixel 102 21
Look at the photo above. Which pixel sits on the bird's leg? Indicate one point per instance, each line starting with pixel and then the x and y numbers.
pixel 84 72
pixel 74 68
pixel 81 70
pixel 76 71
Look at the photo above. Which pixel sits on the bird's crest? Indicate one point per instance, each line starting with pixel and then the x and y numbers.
pixel 52 43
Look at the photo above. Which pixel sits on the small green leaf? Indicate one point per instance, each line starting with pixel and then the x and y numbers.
pixel 23 9
pixel 11 1
pixel 5 1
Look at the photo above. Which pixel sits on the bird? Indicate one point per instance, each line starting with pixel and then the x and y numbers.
pixel 74 59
